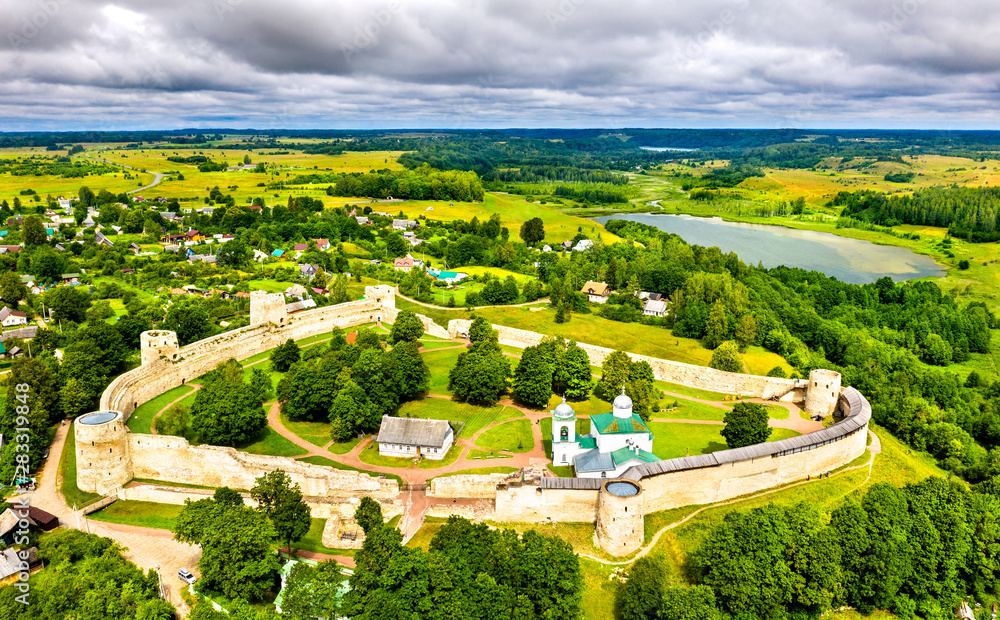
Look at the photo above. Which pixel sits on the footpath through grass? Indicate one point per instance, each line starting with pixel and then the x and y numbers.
pixel 141 420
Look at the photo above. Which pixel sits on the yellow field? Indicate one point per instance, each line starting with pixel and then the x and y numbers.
pixel 513 210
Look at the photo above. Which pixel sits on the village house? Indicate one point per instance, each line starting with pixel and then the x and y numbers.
pixel 296 290
pixel 37 519
pixel 596 292
pixel 322 244
pixel 404 224
pixel 12 318
pixel 13 563
pixel 411 237
pixel 413 437
pixel 100 239
pixel 406 263
pixel 298 306
pixel 362 220
pixel 654 307
pixel 583 245
pixel 24 333
pixel 300 247
pixel 308 271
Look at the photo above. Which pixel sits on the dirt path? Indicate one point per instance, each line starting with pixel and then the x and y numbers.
pixel 149 548
pixel 152 423
pixel 874 449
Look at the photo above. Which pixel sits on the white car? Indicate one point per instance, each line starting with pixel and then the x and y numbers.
pixel 186 576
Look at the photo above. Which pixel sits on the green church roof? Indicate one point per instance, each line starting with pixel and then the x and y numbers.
pixel 608 424
pixel 623 455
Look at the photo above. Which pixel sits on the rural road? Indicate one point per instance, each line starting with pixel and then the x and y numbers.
pixel 156 181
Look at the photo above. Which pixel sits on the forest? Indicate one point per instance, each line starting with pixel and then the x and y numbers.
pixel 968 212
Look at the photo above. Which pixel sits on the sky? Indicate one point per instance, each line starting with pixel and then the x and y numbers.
pixel 274 64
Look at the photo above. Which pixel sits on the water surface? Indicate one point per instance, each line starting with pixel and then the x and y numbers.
pixel 848 260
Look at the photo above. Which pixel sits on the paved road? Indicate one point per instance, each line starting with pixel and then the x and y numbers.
pixel 147 547
pixel 156 180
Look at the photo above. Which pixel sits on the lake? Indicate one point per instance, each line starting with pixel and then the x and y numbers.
pixel 848 260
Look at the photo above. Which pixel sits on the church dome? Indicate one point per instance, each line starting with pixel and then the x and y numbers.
pixel 622 405
pixel 563 410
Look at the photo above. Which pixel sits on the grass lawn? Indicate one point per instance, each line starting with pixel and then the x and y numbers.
pixel 319 460
pixel 439 344
pixel 691 392
pixel 270 442
pixel 67 465
pixel 474 417
pixel 316 433
pixel 776 412
pixel 313 540
pixel 141 420
pixel 426 532
pixel 513 436
pixel 563 471
pixel 479 471
pixel 675 439
pixel 690 410
pixel 440 364
pixel 476 455
pixel 143 514
pixel 343 447
pixel 777 434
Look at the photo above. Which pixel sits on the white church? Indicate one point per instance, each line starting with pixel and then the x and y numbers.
pixel 617 441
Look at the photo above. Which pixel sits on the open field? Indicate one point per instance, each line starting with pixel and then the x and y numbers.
pixel 513 436
pixel 513 210
pixel 143 514
pixel 474 418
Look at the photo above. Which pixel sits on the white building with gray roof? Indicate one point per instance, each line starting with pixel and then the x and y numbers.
pixel 411 437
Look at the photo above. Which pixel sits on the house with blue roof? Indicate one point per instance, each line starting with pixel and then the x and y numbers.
pixel 278 253
pixel 617 440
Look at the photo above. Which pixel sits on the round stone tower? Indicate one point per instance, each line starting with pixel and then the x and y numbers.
pixel 156 344
pixel 619 517
pixel 266 307
pixel 103 457
pixel 822 392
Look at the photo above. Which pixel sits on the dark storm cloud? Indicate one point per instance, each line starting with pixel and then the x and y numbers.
pixel 450 63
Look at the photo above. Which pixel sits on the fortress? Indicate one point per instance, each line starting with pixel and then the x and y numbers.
pixel 109 456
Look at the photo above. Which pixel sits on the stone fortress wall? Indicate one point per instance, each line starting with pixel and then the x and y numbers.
pixel 114 456
pixel 700 377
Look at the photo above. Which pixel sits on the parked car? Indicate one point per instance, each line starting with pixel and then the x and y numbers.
pixel 186 576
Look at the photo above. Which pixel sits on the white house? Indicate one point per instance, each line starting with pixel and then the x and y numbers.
pixel 596 292
pixel 617 441
pixel 412 437
pixel 654 308
pixel 12 318
pixel 403 224
pixel 583 245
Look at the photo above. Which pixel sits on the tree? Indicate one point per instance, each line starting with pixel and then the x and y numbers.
pixel 408 371
pixel 281 501
pixel 746 331
pixel 284 355
pixel 233 253
pixel 48 265
pixel 12 290
pixel 640 598
pixel 395 245
pixel 479 377
pixel 615 372
pixel 191 321
pixel 174 421
pixel 574 373
pixel 237 547
pixel 533 231
pixel 75 398
pixel 227 411
pixel 407 328
pixel 562 312
pixel 746 425
pixel 726 357
pixel 33 231
pixel 688 603
pixel 312 592
pixel 717 326
pixel 533 379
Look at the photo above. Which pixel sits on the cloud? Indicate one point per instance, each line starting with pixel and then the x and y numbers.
pixel 451 63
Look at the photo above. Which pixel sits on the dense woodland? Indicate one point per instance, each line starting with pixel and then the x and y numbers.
pixel 968 212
